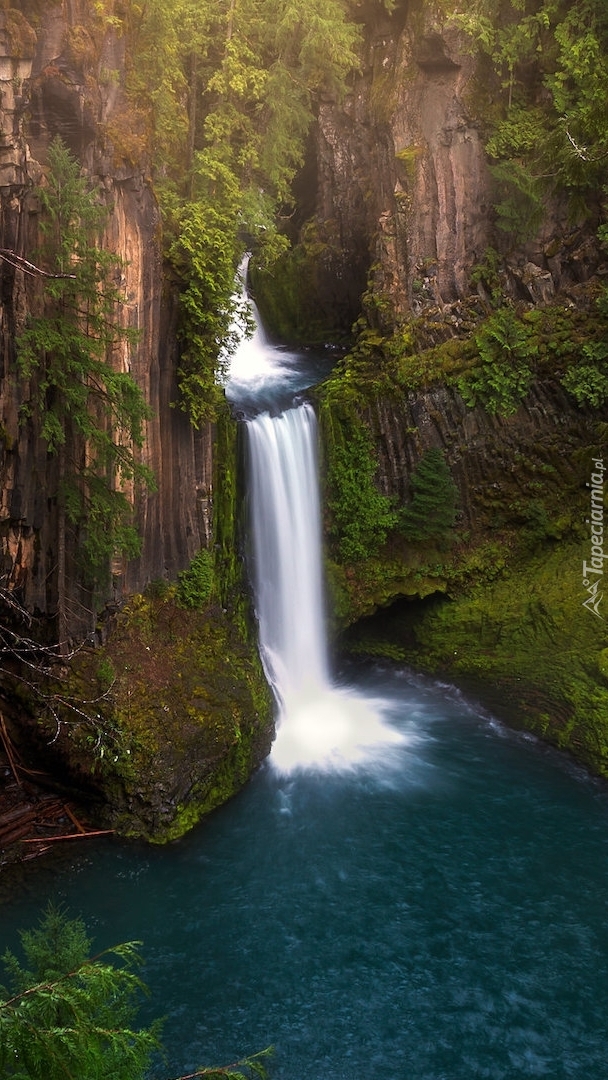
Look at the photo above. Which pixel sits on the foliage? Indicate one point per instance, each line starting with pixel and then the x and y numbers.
pixel 228 91
pixel 431 513
pixel 77 398
pixel 486 274
pixel 519 206
pixel 205 255
pixel 579 85
pixel 67 1015
pixel 588 384
pixel 556 54
pixel 587 380
pixel 249 1067
pixel 504 377
pixel 195 585
pixel 361 516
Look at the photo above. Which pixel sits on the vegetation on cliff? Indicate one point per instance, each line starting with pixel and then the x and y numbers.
pixel 90 415
pixel 219 99
pixel 548 132
pixel 519 639
pixel 226 95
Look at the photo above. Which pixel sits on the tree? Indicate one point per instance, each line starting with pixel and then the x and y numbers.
pixel 561 144
pixel 431 513
pixel 66 1015
pixel 69 1016
pixel 90 414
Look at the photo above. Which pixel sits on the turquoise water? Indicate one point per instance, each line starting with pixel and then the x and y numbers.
pixel 436 912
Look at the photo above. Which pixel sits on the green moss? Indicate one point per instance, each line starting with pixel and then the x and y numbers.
pixel 20 34
pixel 188 709
pixel 523 644
pixel 407 159
pixel 420 352
pixel 383 96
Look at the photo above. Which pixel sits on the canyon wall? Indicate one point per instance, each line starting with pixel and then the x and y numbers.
pixel 60 78
pixel 405 196
pixel 406 207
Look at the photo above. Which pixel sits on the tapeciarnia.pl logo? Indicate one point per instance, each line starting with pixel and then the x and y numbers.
pixel 593 571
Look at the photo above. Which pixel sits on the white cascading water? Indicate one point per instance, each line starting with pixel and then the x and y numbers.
pixel 284 512
pixel 318 724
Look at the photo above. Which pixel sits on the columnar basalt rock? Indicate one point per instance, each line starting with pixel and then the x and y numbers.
pixel 405 184
pixel 54 82
pixel 185 730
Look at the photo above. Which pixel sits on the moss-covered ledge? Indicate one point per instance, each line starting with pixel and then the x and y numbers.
pixel 523 644
pixel 184 716
pixel 496 603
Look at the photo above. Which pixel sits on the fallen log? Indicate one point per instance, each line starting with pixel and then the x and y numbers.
pixel 19 833
pixel 15 815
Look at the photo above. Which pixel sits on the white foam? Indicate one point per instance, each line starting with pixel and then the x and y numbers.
pixel 331 729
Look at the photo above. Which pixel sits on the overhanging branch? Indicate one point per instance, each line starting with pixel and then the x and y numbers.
pixel 20 263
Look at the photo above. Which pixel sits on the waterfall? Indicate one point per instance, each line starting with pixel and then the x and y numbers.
pixel 319 724
pixel 287 540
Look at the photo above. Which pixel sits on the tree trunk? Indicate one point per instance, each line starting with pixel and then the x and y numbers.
pixel 62 618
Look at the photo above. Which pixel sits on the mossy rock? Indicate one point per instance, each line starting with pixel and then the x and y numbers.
pixel 185 717
pixel 523 644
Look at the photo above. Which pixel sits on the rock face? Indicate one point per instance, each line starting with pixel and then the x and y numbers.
pixel 54 81
pixel 500 464
pixel 406 208
pixel 203 719
pixel 404 189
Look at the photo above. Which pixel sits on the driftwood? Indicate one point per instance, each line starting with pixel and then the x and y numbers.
pixel 28 815
pixel 69 836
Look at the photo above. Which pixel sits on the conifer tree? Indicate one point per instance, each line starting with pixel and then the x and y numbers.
pixel 68 1016
pixel 431 513
pixel 90 415
pixel 65 1015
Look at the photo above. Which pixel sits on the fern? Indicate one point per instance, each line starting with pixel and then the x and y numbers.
pixel 505 374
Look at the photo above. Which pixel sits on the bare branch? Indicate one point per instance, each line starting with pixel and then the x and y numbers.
pixel 20 263
pixel 581 151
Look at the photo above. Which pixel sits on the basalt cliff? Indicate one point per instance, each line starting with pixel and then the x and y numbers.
pixel 169 734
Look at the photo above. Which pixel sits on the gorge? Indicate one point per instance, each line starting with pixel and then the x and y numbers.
pixel 480 334
pixel 416 885
pixel 404 884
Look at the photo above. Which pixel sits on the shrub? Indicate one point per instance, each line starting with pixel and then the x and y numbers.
pixel 504 377
pixel 195 585
pixel 361 515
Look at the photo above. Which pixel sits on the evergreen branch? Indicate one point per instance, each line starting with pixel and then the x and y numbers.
pixel 128 949
pixel 253 1064
pixel 582 151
